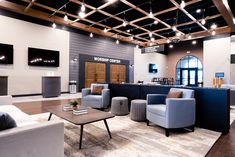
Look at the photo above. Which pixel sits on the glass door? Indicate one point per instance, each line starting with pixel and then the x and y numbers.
pixel 188 76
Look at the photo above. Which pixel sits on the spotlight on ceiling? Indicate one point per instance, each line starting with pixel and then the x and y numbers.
pixel 151 14
pixel 81 14
pixel 155 22
pixel 91 35
pixel 213 26
pixel 53 25
pixel 174 28
pixel 203 21
pixel 194 42
pixel 171 46
pixel 65 18
pixel 182 4
pixel 105 30
pixel 83 7
pixel 124 24
pixel 198 11
pixel 117 41
pixel 213 33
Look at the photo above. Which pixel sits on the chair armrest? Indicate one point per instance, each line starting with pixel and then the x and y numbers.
pixel 180 112
pixel 105 97
pixel 6 100
pixel 156 99
pixel 86 91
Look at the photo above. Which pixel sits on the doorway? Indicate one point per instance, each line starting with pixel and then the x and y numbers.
pixel 189 71
pixel 117 73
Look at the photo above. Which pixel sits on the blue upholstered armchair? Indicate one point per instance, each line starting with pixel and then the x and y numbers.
pixel 96 101
pixel 171 113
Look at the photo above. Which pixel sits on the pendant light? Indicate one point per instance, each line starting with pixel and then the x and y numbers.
pixel 150 10
pixel 117 41
pixel 65 16
pixel 91 35
pixel 83 8
pixel 182 4
pixel 168 41
pixel 203 19
pixel 53 25
pixel 124 22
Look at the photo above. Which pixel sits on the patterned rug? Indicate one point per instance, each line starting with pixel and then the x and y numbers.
pixel 134 139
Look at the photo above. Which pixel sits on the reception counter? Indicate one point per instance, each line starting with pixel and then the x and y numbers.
pixel 212 104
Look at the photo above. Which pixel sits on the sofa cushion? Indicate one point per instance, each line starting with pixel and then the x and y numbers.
pixel 6 121
pixel 92 98
pixel 157 109
pixel 174 94
pixel 97 90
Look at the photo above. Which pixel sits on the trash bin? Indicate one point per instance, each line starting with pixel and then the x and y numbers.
pixel 72 87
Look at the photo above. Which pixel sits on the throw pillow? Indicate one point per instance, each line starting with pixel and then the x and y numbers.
pixel 175 94
pixel 6 121
pixel 97 90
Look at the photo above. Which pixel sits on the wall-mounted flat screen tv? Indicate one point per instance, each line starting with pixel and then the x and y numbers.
pixel 6 54
pixel 42 57
pixel 153 68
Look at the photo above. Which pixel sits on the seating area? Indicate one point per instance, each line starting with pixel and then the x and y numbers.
pixel 117 78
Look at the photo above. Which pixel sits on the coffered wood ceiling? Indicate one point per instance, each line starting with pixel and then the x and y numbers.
pixel 100 14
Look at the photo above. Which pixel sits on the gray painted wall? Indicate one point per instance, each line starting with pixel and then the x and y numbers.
pixel 98 46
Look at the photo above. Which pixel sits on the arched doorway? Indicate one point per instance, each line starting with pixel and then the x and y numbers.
pixel 189 71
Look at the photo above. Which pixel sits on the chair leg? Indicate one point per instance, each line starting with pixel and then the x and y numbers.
pixel 192 128
pixel 167 133
pixel 147 122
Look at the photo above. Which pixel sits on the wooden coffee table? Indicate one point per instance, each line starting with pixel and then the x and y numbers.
pixel 93 115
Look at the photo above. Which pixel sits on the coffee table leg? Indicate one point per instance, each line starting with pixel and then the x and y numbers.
pixel 50 117
pixel 107 127
pixel 81 132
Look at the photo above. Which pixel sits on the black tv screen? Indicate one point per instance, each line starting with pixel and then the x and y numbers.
pixel 153 68
pixel 6 54
pixel 42 57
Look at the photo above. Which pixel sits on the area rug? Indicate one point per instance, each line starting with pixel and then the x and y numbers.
pixel 133 139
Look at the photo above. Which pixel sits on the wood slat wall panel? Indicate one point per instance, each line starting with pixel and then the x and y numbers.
pixel 98 46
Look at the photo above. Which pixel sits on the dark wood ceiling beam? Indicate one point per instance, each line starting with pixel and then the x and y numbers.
pixel 226 13
pixel 188 14
pixel 31 2
pixel 44 16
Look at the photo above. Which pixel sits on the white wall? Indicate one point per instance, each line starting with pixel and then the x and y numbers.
pixel 216 58
pixel 141 63
pixel 232 66
pixel 24 79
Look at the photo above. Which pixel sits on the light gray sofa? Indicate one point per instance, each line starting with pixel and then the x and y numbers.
pixel 96 101
pixel 232 92
pixel 171 113
pixel 30 138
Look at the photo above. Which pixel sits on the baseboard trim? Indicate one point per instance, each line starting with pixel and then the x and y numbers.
pixel 34 94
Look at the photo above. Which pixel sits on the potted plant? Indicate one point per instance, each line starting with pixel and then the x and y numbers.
pixel 74 104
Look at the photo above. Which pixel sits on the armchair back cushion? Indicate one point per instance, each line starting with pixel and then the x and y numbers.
pixel 97 90
pixel 186 93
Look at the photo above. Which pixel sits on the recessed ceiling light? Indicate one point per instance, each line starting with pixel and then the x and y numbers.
pixel 203 21
pixel 65 18
pixel 213 33
pixel 174 28
pixel 171 46
pixel 91 35
pixel 182 4
pixel 155 22
pixel 194 42
pixel 54 25
pixel 81 14
pixel 117 41
pixel 213 26
pixel 198 11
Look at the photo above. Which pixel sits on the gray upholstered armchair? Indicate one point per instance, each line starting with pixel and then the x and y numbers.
pixel 96 101
pixel 171 113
